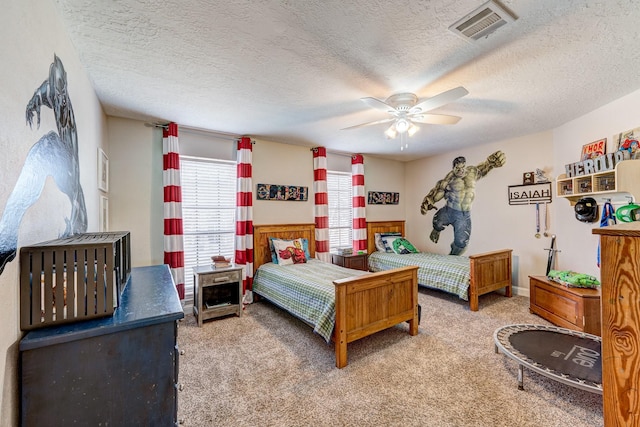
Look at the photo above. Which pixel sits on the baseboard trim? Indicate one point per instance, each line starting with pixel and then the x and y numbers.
pixel 520 291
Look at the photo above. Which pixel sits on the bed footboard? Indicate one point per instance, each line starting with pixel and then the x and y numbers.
pixel 373 302
pixel 489 271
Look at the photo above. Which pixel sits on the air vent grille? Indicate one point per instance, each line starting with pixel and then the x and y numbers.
pixel 482 22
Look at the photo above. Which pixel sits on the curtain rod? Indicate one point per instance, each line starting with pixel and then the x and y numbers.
pixel 221 135
pixel 336 153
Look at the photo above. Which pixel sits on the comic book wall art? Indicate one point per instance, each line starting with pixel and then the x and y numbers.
pixel 593 149
pixel 629 141
pixel 282 192
pixel 383 198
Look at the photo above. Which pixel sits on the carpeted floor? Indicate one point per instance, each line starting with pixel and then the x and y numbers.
pixel 269 369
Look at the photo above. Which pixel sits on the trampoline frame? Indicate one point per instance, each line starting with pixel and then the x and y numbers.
pixel 501 339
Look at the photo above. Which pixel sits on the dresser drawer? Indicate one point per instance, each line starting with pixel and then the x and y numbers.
pixel 220 277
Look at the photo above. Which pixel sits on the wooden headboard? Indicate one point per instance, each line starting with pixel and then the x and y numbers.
pixel 261 234
pixel 381 227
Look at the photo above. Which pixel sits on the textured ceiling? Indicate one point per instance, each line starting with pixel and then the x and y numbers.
pixel 294 71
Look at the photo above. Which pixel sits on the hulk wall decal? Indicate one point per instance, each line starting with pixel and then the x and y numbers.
pixel 458 188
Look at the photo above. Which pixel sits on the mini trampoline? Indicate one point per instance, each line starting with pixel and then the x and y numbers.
pixel 563 355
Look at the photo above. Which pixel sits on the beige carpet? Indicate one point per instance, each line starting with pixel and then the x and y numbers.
pixel 269 369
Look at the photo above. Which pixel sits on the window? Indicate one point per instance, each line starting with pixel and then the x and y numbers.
pixel 208 213
pixel 340 209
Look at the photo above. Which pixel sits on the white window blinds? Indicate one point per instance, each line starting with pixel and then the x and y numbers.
pixel 208 212
pixel 340 209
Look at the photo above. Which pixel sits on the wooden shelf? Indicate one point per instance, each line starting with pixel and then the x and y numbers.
pixel 618 184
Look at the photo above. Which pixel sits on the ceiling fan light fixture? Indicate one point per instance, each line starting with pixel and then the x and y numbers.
pixel 402 125
pixel 391 132
pixel 405 108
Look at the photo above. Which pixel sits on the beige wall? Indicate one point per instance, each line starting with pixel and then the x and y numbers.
pixel 136 183
pixel 136 192
pixel 284 164
pixel 578 244
pixel 31 35
pixel 495 223
pixel 389 176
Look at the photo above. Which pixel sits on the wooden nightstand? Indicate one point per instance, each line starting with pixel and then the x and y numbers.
pixel 573 308
pixel 217 292
pixel 355 261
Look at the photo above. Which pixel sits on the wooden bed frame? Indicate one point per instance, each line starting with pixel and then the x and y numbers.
pixel 364 304
pixel 489 271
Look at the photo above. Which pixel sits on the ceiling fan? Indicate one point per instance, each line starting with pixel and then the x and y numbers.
pixel 406 111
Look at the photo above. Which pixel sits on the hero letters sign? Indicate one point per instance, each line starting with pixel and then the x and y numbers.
pixel 599 164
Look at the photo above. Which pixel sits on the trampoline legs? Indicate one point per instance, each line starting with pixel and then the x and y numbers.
pixel 520 377
pixel 520 371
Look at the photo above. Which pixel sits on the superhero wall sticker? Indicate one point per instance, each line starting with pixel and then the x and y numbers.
pixel 54 155
pixel 458 189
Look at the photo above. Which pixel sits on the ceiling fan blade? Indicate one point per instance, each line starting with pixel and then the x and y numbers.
pixel 439 100
pixel 370 123
pixel 379 105
pixel 434 119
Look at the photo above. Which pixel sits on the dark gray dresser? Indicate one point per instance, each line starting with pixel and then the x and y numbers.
pixel 112 371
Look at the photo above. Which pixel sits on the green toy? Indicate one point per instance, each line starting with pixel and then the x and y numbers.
pixel 573 279
pixel 628 213
pixel 403 246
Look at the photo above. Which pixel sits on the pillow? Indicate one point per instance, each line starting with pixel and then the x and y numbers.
pixel 380 244
pixel 305 248
pixel 274 256
pixel 399 245
pixel 289 251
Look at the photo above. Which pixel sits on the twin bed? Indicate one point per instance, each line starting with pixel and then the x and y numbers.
pixel 345 305
pixel 468 277
pixel 364 303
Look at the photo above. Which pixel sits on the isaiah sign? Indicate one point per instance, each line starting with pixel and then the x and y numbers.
pixel 599 164
pixel 528 194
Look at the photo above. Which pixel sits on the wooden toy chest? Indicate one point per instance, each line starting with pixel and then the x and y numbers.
pixel 92 269
pixel 572 308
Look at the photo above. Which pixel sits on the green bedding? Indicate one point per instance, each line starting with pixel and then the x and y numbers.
pixel 449 273
pixel 305 290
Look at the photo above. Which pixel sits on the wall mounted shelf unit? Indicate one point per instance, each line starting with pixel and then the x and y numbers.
pixel 620 184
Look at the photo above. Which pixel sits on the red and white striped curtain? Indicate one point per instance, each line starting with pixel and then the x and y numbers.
pixel 359 216
pixel 244 218
pixel 173 241
pixel 321 206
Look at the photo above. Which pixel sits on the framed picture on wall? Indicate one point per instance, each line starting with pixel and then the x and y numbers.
pixel 629 141
pixel 103 171
pixel 593 149
pixel 104 213
pixel 383 198
pixel 281 192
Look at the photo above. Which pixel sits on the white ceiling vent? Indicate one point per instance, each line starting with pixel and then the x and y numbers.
pixel 482 21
